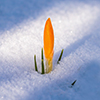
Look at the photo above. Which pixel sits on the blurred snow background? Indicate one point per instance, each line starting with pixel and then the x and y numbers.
pixel 77 31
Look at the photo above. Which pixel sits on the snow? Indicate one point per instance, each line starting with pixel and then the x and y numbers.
pixel 76 29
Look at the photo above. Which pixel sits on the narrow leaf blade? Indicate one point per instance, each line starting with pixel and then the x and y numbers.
pixel 35 63
pixel 60 56
pixel 42 61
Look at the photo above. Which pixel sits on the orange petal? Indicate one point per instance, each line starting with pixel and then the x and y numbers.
pixel 48 40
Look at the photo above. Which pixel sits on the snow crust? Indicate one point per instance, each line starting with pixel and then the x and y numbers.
pixel 76 30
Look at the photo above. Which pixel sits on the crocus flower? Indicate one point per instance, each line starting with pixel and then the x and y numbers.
pixel 48 45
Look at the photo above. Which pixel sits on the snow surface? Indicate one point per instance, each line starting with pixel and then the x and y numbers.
pixel 77 31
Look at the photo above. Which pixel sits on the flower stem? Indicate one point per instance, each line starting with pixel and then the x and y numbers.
pixel 48 65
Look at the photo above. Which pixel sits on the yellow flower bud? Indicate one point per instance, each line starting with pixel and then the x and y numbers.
pixel 48 45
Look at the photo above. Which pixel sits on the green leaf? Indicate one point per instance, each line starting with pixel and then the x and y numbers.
pixel 42 53
pixel 42 67
pixel 42 61
pixel 35 63
pixel 60 56
pixel 74 82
